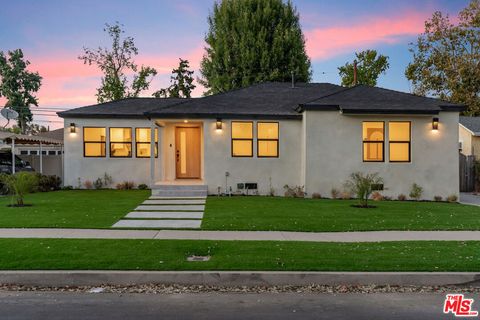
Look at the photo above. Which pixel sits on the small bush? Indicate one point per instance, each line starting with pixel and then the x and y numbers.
pixel 401 197
pixel 142 186
pixel 316 195
pixel 416 192
pixel 361 185
pixel 20 184
pixel 98 184
pixel 452 198
pixel 335 193
pixel 107 180
pixel 88 184
pixel 346 195
pixel 126 185
pixel 67 188
pixel 377 196
pixel 294 192
pixel 48 183
pixel 387 198
pixel 437 198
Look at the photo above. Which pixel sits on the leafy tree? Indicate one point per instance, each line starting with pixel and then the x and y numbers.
pixel 18 85
pixel 369 67
pixel 251 41
pixel 362 186
pixel 181 83
pixel 446 59
pixel 19 184
pixel 115 63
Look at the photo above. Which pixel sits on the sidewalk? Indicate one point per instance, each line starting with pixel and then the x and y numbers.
pixel 366 236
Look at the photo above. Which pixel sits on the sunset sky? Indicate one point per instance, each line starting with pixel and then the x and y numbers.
pixel 52 34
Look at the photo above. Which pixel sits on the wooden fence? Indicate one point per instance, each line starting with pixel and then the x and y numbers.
pixel 467 173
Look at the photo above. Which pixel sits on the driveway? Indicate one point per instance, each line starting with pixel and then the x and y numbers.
pixel 469 198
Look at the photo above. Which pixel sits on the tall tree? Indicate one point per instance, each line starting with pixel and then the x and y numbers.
pixel 370 65
pixel 252 41
pixel 18 85
pixel 446 58
pixel 115 62
pixel 181 82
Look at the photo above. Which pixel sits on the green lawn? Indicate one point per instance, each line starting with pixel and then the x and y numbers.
pixel 288 214
pixel 28 254
pixel 71 209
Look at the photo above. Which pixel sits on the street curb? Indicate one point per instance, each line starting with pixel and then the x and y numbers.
pixel 236 278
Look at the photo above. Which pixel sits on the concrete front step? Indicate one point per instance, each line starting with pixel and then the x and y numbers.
pixel 165 215
pixel 174 201
pixel 178 193
pixel 167 187
pixel 158 224
pixel 177 198
pixel 193 207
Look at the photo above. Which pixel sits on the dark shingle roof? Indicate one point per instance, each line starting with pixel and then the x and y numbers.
pixel 125 108
pixel 471 123
pixel 54 134
pixel 366 99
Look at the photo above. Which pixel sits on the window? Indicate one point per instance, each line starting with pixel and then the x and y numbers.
pixel 142 142
pixel 33 152
pixel 24 152
pixel 94 140
pixel 399 141
pixel 120 142
pixel 242 139
pixel 267 139
pixel 373 141
pixel 51 152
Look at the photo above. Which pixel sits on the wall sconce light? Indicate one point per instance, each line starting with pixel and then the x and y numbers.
pixel 219 124
pixel 435 124
pixel 185 121
pixel 72 127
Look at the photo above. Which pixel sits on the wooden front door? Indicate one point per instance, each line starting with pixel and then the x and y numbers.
pixel 187 152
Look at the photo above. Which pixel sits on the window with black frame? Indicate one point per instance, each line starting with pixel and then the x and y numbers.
pixel 373 141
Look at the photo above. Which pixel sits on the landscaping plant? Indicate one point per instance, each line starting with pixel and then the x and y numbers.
pixel 416 192
pixel 19 184
pixel 452 198
pixel 401 197
pixel 48 183
pixel 362 185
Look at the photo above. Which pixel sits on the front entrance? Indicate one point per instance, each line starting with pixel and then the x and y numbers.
pixel 187 152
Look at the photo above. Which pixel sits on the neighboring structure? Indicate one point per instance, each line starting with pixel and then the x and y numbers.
pixel 469 136
pixel 267 136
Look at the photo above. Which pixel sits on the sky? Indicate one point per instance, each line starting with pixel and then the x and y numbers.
pixel 52 33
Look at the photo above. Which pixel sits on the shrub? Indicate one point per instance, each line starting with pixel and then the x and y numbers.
pixel 452 198
pixel 107 180
pixel 20 184
pixel 294 192
pixel 316 195
pixel 377 196
pixel 361 184
pixel 98 184
pixel 335 193
pixel 387 198
pixel 88 184
pixel 437 198
pixel 346 195
pixel 126 185
pixel 416 192
pixel 66 188
pixel 402 197
pixel 142 186
pixel 48 183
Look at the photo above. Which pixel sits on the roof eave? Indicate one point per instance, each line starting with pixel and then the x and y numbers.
pixel 222 116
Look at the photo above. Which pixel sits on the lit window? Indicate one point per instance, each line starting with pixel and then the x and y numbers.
pixel 94 142
pixel 399 141
pixel 142 142
pixel 373 141
pixel 242 139
pixel 267 139
pixel 120 142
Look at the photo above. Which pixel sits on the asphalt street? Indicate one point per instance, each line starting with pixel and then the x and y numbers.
pixel 81 305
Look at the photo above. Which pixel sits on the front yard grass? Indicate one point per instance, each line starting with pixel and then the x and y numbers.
pixel 63 254
pixel 71 209
pixel 289 214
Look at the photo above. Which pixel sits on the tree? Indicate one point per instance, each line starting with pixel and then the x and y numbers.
pixel 115 63
pixel 181 82
pixel 369 67
pixel 362 185
pixel 446 59
pixel 18 85
pixel 251 41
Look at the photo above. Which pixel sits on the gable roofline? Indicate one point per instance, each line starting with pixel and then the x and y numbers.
pixel 475 134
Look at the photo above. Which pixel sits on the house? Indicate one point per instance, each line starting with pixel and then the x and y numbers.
pixel 267 136
pixel 469 136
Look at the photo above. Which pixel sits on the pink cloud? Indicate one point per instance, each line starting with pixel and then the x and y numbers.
pixel 324 43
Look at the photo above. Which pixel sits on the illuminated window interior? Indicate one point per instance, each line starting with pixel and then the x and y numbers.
pixel 120 142
pixel 399 141
pixel 142 142
pixel 373 141
pixel 242 139
pixel 267 138
pixel 94 142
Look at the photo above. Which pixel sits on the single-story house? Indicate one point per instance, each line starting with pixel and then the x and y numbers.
pixel 269 135
pixel 469 135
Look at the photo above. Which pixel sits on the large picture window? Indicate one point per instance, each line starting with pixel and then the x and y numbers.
pixel 120 142
pixel 94 142
pixel 267 139
pixel 399 141
pixel 373 141
pixel 242 139
pixel 142 142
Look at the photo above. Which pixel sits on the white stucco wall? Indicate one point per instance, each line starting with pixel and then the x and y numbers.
pixel 334 150
pixel 121 169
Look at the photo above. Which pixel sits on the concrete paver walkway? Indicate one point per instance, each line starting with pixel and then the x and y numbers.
pixel 469 198
pixel 366 236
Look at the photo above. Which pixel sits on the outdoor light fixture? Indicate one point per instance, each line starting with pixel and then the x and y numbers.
pixel 219 124
pixel 185 121
pixel 435 124
pixel 72 127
